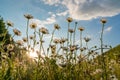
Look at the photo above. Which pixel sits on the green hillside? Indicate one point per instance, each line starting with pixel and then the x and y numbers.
pixel 110 62
pixel 114 53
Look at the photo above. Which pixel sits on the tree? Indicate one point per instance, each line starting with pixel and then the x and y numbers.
pixel 3 33
pixel 4 37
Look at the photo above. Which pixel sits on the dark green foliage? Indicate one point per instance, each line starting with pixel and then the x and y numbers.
pixel 114 53
pixel 3 30
pixel 4 37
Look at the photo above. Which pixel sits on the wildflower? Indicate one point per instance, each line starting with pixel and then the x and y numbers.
pixel 110 46
pixel 60 57
pixel 95 46
pixel 28 16
pixel 24 48
pixel 76 22
pixel 17 32
pixel 53 46
pixel 106 46
pixel 56 26
pixel 113 61
pixel 10 47
pixel 11 39
pixel 63 40
pixel 81 49
pixel 111 68
pixel 29 46
pixel 16 62
pixel 80 57
pixel 33 25
pixel 97 71
pixel 4 56
pixel 53 49
pixel 71 30
pixel 33 49
pixel 103 21
pixel 37 52
pixel 43 30
pixel 91 51
pixel 87 39
pixel 19 42
pixel 81 28
pixel 9 23
pixel 37 42
pixel 96 53
pixel 73 48
pixel 84 48
pixel 56 41
pixel 31 37
pixel 24 39
pixel 69 19
pixel 42 41
pixel 113 77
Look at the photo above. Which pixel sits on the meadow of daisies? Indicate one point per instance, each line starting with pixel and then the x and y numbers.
pixel 62 59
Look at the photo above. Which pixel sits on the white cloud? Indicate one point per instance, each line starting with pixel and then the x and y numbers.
pixel 108 29
pixel 50 20
pixel 50 13
pixel 51 2
pixel 62 13
pixel 43 23
pixel 38 22
pixel 88 9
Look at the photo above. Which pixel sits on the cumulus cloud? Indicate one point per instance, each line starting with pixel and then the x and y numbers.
pixel 43 23
pixel 62 13
pixel 50 20
pixel 51 2
pixel 88 9
pixel 108 29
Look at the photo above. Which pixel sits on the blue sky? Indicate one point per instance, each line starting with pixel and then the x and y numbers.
pixel 48 12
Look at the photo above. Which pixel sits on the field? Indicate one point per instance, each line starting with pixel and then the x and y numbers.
pixel 62 59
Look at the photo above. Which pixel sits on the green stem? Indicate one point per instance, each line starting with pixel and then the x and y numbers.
pixel 41 43
pixel 39 55
pixel 70 38
pixel 34 38
pixel 102 39
pixel 52 36
pixel 103 58
pixel 50 42
pixel 87 45
pixel 27 33
pixel 68 34
pixel 74 33
pixel 43 49
pixel 80 39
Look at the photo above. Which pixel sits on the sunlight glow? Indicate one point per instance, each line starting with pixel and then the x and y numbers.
pixel 32 54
